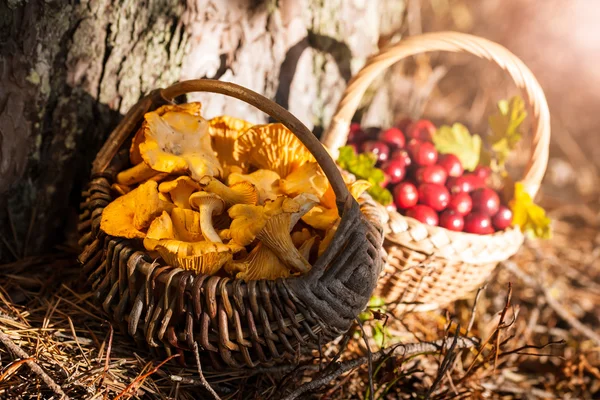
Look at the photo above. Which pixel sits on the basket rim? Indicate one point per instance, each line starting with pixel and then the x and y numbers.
pixel 408 232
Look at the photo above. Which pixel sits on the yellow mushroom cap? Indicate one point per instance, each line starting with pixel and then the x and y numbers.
pixel 160 228
pixel 176 140
pixel 272 147
pixel 320 217
pixel 265 181
pixel 308 178
pixel 186 224
pixel 117 218
pixel 246 221
pixel 148 204
pixel 224 131
pixel 129 214
pixel 328 238
pixel 202 257
pixel 261 263
pixel 180 190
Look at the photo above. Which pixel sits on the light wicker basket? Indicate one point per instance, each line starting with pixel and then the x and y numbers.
pixel 237 324
pixel 428 267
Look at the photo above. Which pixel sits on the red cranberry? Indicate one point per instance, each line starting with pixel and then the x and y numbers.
pixel 478 223
pixel 424 154
pixel 393 137
pixel 402 155
pixel 406 195
pixel 380 149
pixel 434 195
pixel 422 130
pixel 466 183
pixel 452 220
pixel 485 200
pixel 395 170
pixel 461 203
pixel 502 219
pixel 431 174
pixel 423 214
pixel 356 135
pixel 482 172
pixel 451 164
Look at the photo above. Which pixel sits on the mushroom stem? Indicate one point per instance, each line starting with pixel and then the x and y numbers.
pixel 206 224
pixel 135 174
pixel 275 235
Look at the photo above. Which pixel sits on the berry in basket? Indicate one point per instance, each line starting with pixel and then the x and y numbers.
pixel 445 176
pixel 224 196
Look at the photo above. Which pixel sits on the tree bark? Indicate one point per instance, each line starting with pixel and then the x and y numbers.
pixel 70 69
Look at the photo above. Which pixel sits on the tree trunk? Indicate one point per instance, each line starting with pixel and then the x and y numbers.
pixel 70 69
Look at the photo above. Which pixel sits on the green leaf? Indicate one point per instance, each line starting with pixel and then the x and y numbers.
pixel 381 195
pixel 505 127
pixel 528 216
pixel 363 167
pixel 458 141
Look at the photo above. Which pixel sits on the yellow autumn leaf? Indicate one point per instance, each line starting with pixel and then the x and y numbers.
pixel 528 216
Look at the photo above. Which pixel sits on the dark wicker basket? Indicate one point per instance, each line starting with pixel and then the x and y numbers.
pixel 236 324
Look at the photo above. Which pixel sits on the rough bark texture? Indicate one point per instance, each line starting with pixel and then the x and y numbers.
pixel 69 69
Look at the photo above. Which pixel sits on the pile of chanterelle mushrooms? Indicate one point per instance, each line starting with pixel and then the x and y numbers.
pixel 224 196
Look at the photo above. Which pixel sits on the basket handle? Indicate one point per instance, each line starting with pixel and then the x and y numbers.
pixel 455 42
pixel 163 96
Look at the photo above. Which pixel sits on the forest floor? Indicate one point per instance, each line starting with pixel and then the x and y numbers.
pixel 533 333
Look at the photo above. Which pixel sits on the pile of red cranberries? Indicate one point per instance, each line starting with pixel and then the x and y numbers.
pixel 430 187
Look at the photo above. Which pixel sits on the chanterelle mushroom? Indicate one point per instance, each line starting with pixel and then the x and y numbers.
pixel 176 140
pixel 309 178
pixel 186 225
pixel 129 214
pixel 180 190
pixel 265 181
pixel 138 173
pixel 272 147
pixel 271 224
pixel 261 263
pixel 325 215
pixel 161 228
pixel 239 193
pixel 224 131
pixel 202 257
pixel 208 204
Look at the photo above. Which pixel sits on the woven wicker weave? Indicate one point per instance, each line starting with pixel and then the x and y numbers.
pixel 236 324
pixel 428 267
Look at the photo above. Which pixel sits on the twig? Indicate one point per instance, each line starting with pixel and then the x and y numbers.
pixel 446 364
pixel 140 379
pixel 402 350
pixel 203 381
pixel 472 320
pixel 501 323
pixel 369 359
pixel 108 350
pixel 558 308
pixel 17 351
